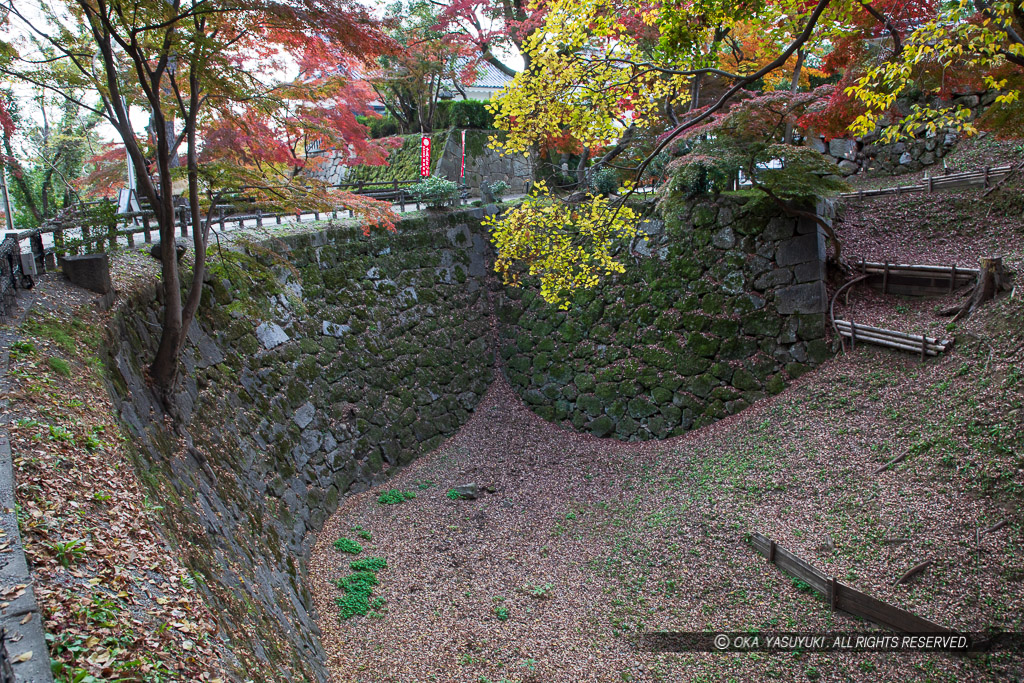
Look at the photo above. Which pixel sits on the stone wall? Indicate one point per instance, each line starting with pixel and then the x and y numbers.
pixel 870 156
pixel 722 303
pixel 319 362
pixel 484 164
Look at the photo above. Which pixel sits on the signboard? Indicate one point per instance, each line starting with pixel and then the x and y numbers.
pixel 425 156
pixel 462 173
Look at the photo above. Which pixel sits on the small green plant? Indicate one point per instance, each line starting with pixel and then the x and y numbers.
pixel 395 497
pixel 801 585
pixel 347 545
pixel 358 587
pixel 368 564
pixel 434 191
pixel 539 592
pixel 68 552
pixel 58 433
pixel 501 612
pixel 362 533
pixel 453 495
pixel 20 349
pixel 59 365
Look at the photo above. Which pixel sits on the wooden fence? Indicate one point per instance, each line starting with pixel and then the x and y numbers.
pixel 915 280
pixel 915 343
pixel 839 595
pixel 985 177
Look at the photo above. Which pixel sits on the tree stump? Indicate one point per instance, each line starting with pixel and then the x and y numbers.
pixel 991 281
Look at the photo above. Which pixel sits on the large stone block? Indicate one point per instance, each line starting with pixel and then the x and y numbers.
pixel 91 272
pixel 843 148
pixel 800 249
pixel 804 298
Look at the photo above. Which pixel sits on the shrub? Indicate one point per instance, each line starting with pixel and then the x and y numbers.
pixel 463 114
pixel 605 181
pixel 381 126
pixel 434 191
pixel 498 189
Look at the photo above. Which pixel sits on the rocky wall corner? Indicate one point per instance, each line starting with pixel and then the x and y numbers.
pixel 318 363
pixel 722 304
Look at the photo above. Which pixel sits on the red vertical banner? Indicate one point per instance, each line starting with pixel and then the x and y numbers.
pixel 462 173
pixel 424 156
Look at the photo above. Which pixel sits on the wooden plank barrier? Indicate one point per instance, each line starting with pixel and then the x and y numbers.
pixel 915 343
pixel 985 177
pixel 915 280
pixel 840 596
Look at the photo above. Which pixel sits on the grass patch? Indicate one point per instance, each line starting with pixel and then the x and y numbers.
pixel 59 365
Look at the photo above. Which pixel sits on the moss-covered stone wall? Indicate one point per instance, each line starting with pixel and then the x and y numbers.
pixel 722 303
pixel 318 362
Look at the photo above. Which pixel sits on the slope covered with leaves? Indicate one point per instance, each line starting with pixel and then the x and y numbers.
pixel 117 604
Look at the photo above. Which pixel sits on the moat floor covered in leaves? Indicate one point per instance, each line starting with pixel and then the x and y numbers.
pixel 576 544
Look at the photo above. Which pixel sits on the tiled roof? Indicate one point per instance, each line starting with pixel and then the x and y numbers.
pixel 488 76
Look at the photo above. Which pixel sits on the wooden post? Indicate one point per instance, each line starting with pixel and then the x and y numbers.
pixel 771 552
pixel 924 346
pixel 221 217
pixel 853 335
pixel 931 184
pixel 130 234
pixel 986 176
pixel 885 279
pixel 833 593
pixel 401 199
pixel 278 218
pixel 952 278
pixel 145 228
pixel 259 218
pixel 181 222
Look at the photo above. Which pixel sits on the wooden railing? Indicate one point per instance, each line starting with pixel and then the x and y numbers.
pixel 984 177
pixel 82 227
pixel 840 596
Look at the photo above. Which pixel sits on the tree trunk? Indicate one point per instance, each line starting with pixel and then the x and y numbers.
pixel 695 92
pixel 991 281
